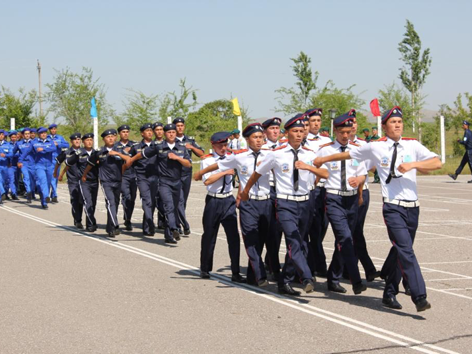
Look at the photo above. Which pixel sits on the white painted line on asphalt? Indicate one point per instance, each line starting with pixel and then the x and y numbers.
pixel 446 279
pixel 345 321
pixel 452 262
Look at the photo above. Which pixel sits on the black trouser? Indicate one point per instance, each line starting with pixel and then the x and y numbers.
pixel 148 190
pixel 273 242
pixel 466 159
pixel 219 211
pixel 76 200
pixel 128 197
pixel 186 182
pixel 317 230
pixel 89 191
pixel 111 191
pixel 169 193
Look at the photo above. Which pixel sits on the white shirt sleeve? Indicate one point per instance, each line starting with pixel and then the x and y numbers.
pixel 267 164
pixel 227 163
pixel 362 153
pixel 422 152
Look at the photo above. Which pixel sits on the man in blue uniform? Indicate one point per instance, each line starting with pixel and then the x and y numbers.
pixel 172 157
pixel 61 145
pixel 73 178
pixel 13 173
pixel 6 153
pixel 24 148
pixel 397 159
pixel 467 158
pixel 128 183
pixel 44 149
pixel 158 129
pixel 110 163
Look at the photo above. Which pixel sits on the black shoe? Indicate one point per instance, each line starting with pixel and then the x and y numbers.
pixel 48 200
pixel 128 226
pixel 204 275
pixel 358 288
pixel 181 232
pixel 422 305
pixel 286 289
pixel 171 241
pixel 275 277
pixel 391 302
pixel 117 231
pixel 407 290
pixel 54 200
pixel 14 197
pixel 111 234
pixel 79 225
pixel 44 206
pixel 151 234
pixel 262 283
pixel 187 232
pixel 28 198
pixel 337 288
pixel 4 196
pixel 321 273
pixel 238 278
pixel 371 277
pixel 308 285
pixel 469 181
pixel 1 201
pixel 176 235
pixel 91 228
pixel 453 176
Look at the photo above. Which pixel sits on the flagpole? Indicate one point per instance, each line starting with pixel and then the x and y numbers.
pixel 94 115
pixel 379 126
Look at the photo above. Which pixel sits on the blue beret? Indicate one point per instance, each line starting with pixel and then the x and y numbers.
pixel 12 132
pixel 2 131
pixel 53 125
pixel 75 136
pixel 22 130
pixel 294 122
pixel 251 129
pixel 157 124
pixel 352 113
pixel 178 120
pixel 313 112
pixel 269 122
pixel 465 122
pixel 168 127
pixel 145 126
pixel 33 130
pixel 394 112
pixel 108 132
pixel 344 120
pixel 42 130
pixel 123 127
pixel 88 136
pixel 220 137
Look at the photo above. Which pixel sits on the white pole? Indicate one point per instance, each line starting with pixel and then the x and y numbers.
pixel 332 127
pixel 379 126
pixel 95 132
pixel 12 123
pixel 443 140
pixel 169 120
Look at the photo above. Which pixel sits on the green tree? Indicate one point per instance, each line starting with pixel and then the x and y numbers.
pixel 69 97
pixel 416 69
pixel 298 98
pixel 176 105
pixel 139 109
pixel 391 96
pixel 19 107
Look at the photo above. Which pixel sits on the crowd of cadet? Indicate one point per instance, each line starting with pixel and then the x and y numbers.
pixel 293 185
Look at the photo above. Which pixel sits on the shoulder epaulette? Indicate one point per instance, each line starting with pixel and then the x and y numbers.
pixel 327 144
pixel 313 139
pixel 239 151
pixel 265 148
pixel 205 156
pixel 360 139
pixel 280 147
pixel 284 140
pixel 381 139
pixel 352 143
pixel 409 138
pixel 305 148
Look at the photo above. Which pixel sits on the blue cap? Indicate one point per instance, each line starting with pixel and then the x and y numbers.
pixel 87 136
pixel 168 127
pixel 22 130
pixel 178 120
pixel 123 127
pixel 145 126
pixel 108 132
pixel 157 124
pixel 295 122
pixel 394 112
pixel 313 112
pixel 75 136
pixel 345 120
pixel 251 129
pixel 42 130
pixel 53 125
pixel 33 130
pixel 2 131
pixel 12 132
pixel 465 122
pixel 220 137
pixel 269 122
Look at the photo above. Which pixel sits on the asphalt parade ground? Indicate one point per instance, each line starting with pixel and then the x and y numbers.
pixel 69 291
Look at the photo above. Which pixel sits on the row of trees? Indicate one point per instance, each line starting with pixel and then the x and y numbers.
pixel 69 94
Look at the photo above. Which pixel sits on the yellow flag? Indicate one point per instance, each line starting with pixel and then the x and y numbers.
pixel 236 109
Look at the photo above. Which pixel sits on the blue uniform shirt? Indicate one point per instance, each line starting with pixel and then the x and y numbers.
pixel 25 151
pixel 145 167
pixel 45 156
pixel 80 160
pixel 6 149
pixel 170 170
pixel 467 140
pixel 109 167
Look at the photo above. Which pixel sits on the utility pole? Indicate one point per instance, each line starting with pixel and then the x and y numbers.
pixel 40 94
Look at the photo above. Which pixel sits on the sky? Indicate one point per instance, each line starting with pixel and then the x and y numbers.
pixel 231 48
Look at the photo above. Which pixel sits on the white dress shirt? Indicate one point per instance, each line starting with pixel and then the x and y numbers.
pixel 216 187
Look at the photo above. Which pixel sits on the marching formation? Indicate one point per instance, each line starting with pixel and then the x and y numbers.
pixel 296 186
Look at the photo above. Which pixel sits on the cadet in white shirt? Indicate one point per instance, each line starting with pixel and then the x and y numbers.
pixel 290 166
pixel 342 206
pixel 319 225
pixel 220 208
pixel 396 159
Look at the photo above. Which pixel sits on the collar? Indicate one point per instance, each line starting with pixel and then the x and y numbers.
pixel 290 148
pixel 313 136
pixel 390 142
pixel 270 142
pixel 181 138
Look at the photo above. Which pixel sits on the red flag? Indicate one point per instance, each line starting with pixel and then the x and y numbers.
pixel 374 107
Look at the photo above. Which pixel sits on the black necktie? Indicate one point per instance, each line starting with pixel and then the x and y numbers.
pixel 256 155
pixel 392 165
pixel 295 170
pixel 273 146
pixel 224 177
pixel 343 171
